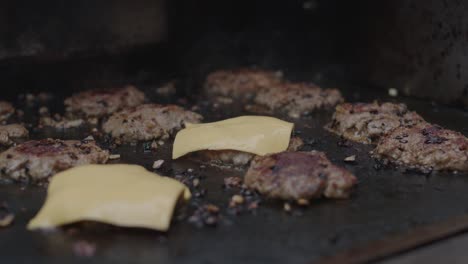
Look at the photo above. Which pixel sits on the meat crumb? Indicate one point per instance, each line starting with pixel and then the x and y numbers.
pixel 157 164
pixel 154 145
pixel 89 138
pixel 303 202
pixel 351 158
pixel 7 219
pixel 232 182
pixel 237 199
pixel 196 182
pixel 114 156
pixel 43 110
pixel 84 249
pixel 287 207
pixel 212 208
pixel 253 205
pixel 206 215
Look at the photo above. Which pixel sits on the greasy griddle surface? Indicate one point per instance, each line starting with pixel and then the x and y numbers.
pixel 386 201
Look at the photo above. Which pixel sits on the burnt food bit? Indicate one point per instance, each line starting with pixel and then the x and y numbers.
pixel 367 122
pixel 232 182
pixel 298 175
pixel 240 83
pixel 424 147
pixel 205 215
pixel 99 103
pixel 235 157
pixel 297 99
pixel 10 134
pixel 6 110
pixel 148 122
pixel 37 160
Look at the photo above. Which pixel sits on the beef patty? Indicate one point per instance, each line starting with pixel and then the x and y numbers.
pixel 367 122
pixel 6 110
pixel 239 83
pixel 424 147
pixel 37 160
pixel 298 175
pixel 9 134
pixel 98 103
pixel 237 158
pixel 297 99
pixel 148 122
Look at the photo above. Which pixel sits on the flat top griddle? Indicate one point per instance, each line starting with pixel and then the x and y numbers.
pixel 387 201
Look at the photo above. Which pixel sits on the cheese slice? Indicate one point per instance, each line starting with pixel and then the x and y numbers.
pixel 253 134
pixel 117 194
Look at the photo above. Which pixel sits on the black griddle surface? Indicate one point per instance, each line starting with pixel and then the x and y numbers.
pixel 388 200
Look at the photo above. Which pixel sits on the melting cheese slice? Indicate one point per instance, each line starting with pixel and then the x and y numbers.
pixel 254 134
pixel 121 195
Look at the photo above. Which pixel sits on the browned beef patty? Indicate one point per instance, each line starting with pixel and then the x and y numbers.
pixel 239 83
pixel 9 134
pixel 367 122
pixel 98 103
pixel 425 147
pixel 37 160
pixel 237 158
pixel 6 110
pixel 297 99
pixel 298 175
pixel 148 122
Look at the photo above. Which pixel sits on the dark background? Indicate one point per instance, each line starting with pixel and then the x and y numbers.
pixel 419 47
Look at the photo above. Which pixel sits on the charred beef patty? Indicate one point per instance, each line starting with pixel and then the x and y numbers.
pixel 37 160
pixel 367 122
pixel 6 110
pixel 298 175
pixel 240 83
pixel 424 147
pixel 10 133
pixel 148 122
pixel 297 99
pixel 237 158
pixel 98 103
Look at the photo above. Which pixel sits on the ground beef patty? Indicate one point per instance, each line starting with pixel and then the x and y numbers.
pixel 37 160
pixel 367 122
pixel 237 158
pixel 98 103
pixel 240 83
pixel 424 147
pixel 9 134
pixel 298 175
pixel 297 99
pixel 6 110
pixel 148 122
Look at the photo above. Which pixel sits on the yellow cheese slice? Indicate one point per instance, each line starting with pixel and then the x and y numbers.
pixel 253 134
pixel 117 194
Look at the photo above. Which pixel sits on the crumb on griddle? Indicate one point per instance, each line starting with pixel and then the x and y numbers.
pixel 205 215
pixel 350 159
pixel 302 202
pixel 157 164
pixel 83 248
pixel 6 216
pixel 232 182
pixel 114 156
